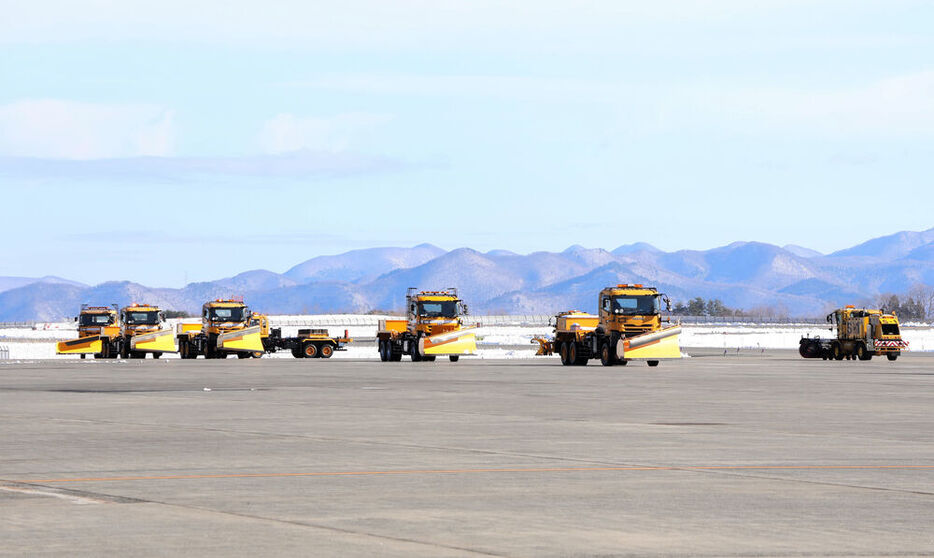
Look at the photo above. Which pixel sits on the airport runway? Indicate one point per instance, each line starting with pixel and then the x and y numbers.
pixel 757 454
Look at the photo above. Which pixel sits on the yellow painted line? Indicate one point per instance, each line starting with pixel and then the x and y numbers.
pixel 475 471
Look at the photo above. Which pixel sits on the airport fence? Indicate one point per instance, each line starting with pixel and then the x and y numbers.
pixel 4 352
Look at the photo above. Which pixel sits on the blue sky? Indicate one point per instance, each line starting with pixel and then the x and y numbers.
pixel 159 142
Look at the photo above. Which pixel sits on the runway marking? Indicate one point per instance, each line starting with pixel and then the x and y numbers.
pixel 474 471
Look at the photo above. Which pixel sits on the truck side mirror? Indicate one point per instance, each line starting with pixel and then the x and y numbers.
pixel 464 306
pixel 76 318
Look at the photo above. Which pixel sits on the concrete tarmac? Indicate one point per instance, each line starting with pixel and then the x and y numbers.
pixel 755 454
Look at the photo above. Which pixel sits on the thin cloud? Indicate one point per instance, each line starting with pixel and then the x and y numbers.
pixel 63 129
pixel 298 164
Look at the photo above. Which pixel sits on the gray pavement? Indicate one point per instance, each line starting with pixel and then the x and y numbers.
pixel 756 454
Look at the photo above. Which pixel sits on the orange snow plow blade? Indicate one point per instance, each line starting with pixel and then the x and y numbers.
pixel 83 345
pixel 156 342
pixel 664 343
pixel 460 342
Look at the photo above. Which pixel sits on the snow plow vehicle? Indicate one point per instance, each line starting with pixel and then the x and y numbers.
pixel 861 334
pixel 629 327
pixel 98 328
pixel 226 328
pixel 433 327
pixel 310 343
pixel 131 332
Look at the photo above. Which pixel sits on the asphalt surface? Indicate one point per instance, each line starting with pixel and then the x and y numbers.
pixel 756 454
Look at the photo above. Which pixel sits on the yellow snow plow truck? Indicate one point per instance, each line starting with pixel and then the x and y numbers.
pixel 861 334
pixel 225 329
pixel 433 327
pixel 628 327
pixel 98 328
pixel 130 333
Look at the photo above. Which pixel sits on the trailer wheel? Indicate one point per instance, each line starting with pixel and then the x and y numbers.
pixel 311 350
pixel 891 356
pixel 607 358
pixel 652 362
pixel 453 358
pixel 326 350
pixel 563 351
pixel 837 351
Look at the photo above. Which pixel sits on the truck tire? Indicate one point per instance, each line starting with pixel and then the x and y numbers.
pixel 453 358
pixel 652 362
pixel 394 356
pixel 607 358
pixel 156 355
pixel 862 353
pixel 564 353
pixel 310 350
pixel 244 355
pixel 574 354
pixel 297 352
pixel 384 351
pixel 105 349
pixel 257 354
pixel 837 351
pixel 891 356
pixel 428 358
pixel 326 350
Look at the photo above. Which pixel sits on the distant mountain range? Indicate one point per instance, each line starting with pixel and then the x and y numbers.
pixel 747 275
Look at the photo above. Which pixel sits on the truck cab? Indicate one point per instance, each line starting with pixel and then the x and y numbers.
pixel 630 310
pixel 434 312
pixel 93 320
pixel 224 315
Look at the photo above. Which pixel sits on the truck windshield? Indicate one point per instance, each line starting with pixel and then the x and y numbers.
pixel 142 318
pixel 636 305
pixel 889 329
pixel 96 319
pixel 438 309
pixel 226 314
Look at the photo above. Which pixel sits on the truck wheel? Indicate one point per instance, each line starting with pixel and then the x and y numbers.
pixel 429 358
pixel 576 358
pixel 622 362
pixel 311 350
pixel 453 358
pixel 383 353
pixel 326 350
pixel 837 351
pixel 137 354
pixel 652 362
pixel 564 352
pixel 156 355
pixel 243 355
pixel 83 355
pixel 891 356
pixel 394 356
pixel 257 354
pixel 861 352
pixel 105 350
pixel 607 358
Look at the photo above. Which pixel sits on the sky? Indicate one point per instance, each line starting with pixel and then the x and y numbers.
pixel 175 142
